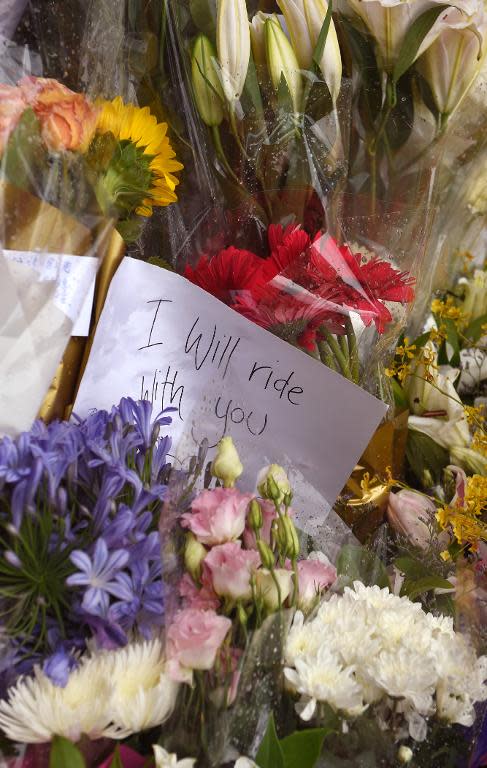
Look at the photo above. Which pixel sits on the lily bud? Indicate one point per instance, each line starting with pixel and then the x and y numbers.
pixel 226 465
pixel 451 64
pixel 194 554
pixel 287 537
pixel 257 37
pixel 266 555
pixel 233 45
pixel 405 754
pixel 273 483
pixel 282 61
pixel 408 513
pixel 206 84
pixel 304 20
pixel 471 460
pixel 255 518
pixel 475 301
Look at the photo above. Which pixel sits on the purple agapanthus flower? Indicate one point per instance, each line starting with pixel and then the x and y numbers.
pixel 97 574
pixel 85 496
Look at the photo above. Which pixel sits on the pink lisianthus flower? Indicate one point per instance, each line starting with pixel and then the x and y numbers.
pixel 203 598
pixel 230 568
pixel 314 576
pixel 193 641
pixel 218 515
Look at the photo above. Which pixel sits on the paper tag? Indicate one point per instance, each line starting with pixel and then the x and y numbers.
pixel 164 339
pixel 75 282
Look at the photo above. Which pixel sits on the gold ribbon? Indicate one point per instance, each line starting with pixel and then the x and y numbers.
pixel 29 224
pixel 60 398
pixel 363 502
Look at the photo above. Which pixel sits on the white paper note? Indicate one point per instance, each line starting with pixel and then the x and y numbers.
pixel 75 282
pixel 163 339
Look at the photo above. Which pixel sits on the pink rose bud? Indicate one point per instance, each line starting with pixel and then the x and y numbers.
pixel 314 576
pixel 409 513
pixel 218 515
pixel 194 596
pixel 12 106
pixel 193 641
pixel 68 120
pixel 230 568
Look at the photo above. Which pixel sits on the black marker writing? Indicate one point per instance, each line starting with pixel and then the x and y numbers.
pixel 150 343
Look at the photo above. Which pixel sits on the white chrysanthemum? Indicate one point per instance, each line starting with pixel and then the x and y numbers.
pixel 369 645
pixel 143 695
pixel 112 693
pixel 323 678
pixel 164 759
pixel 36 710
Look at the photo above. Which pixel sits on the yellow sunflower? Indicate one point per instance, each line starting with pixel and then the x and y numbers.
pixel 137 125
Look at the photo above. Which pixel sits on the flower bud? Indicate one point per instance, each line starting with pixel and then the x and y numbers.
pixel 408 513
pixel 266 555
pixel 405 754
pixel 282 61
pixel 257 37
pixel 468 459
pixel 287 537
pixel 304 20
pixel 242 615
pixel 194 554
pixel 273 483
pixel 233 44
pixel 226 465
pixel 475 299
pixel 206 84
pixel 255 517
pixel 267 588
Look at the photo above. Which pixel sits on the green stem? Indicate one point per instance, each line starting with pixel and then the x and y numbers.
pixel 278 587
pixel 221 153
pixel 326 356
pixel 234 127
pixel 353 351
pixel 341 359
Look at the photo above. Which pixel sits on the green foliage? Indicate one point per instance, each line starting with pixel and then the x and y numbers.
pixel 25 156
pixel 473 331
pixel 449 353
pixel 64 754
pixel 321 42
pixel 413 39
pixel 301 749
pixel 424 454
pixel 357 563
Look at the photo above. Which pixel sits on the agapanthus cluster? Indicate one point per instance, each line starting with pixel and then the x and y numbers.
pixel 79 509
pixel 369 648
pixel 305 291
pixel 241 566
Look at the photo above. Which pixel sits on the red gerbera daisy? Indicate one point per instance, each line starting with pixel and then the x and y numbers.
pixel 227 273
pixel 285 245
pixel 363 285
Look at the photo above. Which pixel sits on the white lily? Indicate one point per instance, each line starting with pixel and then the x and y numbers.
pixel 389 20
pixel 233 45
pixel 451 64
pixel 257 37
pixel 304 20
pixel 282 61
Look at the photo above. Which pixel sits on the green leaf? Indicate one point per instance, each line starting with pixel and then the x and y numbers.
pixel 321 42
pixel 117 760
pixel 203 14
pixel 422 340
pixel 64 754
pixel 452 339
pixel 303 748
pixel 411 568
pixel 270 754
pixel 360 564
pixel 474 330
pixel 362 52
pixel 400 397
pixel 424 454
pixel 24 160
pixel 413 39
pixel 284 98
pixel 252 88
pixel 413 589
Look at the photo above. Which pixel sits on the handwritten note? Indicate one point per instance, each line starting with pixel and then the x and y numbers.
pixel 74 277
pixel 163 339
